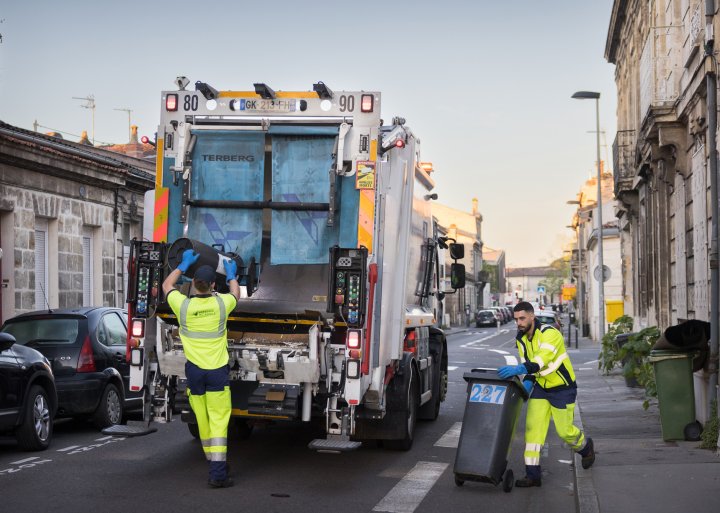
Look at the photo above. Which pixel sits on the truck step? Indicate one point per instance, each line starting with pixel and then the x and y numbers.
pixel 331 445
pixel 141 429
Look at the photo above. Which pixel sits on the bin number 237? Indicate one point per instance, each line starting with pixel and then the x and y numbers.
pixel 493 394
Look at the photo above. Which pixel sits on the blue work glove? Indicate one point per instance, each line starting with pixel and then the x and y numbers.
pixel 528 386
pixel 508 371
pixel 189 257
pixel 230 270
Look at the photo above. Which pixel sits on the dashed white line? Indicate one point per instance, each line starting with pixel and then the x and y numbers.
pixel 103 438
pixel 407 495
pixel 452 367
pixel 499 351
pixel 591 361
pixel 20 462
pixel 585 368
pixel 68 448
pixel 451 437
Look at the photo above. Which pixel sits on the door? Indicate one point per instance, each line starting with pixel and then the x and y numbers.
pixel 10 388
pixel 112 335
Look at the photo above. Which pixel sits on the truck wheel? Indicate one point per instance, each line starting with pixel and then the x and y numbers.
pixel 36 429
pixel 241 429
pixel 431 409
pixel 110 410
pixel 405 443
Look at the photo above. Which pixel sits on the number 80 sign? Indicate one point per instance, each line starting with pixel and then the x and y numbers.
pixel 483 393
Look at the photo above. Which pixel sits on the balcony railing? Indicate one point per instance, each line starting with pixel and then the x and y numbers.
pixel 624 159
pixel 659 69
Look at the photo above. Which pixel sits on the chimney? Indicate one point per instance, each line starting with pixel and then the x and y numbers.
pixel 475 206
pixel 133 135
pixel 84 138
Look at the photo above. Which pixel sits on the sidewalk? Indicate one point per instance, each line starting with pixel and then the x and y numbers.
pixel 635 469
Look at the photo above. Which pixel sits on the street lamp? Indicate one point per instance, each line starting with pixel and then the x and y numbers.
pixel 590 95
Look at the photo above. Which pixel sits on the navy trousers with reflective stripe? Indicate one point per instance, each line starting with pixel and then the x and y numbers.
pixel 209 395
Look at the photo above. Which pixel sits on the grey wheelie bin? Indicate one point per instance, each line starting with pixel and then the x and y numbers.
pixel 491 414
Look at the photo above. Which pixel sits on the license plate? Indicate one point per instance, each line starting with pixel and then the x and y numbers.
pixel 268 105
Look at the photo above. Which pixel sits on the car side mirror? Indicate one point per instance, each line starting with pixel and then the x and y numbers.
pixel 6 341
pixel 457 276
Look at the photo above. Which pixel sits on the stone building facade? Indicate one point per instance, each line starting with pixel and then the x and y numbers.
pixel 661 157
pixel 465 227
pixel 67 213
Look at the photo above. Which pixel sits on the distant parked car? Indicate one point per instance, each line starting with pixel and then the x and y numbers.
pixel 28 400
pixel 86 349
pixel 549 317
pixel 485 318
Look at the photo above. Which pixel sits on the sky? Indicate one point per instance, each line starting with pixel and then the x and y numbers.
pixel 484 84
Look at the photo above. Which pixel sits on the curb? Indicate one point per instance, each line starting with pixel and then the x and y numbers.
pixel 586 500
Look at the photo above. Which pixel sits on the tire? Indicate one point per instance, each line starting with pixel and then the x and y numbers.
pixel 194 431
pixel 431 409
pixel 405 443
pixel 241 429
pixel 35 431
pixel 693 431
pixel 508 481
pixel 110 410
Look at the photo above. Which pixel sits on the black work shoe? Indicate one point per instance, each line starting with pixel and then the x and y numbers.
pixel 527 482
pixel 589 458
pixel 225 483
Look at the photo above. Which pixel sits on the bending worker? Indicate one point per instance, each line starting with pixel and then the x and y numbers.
pixel 547 367
pixel 202 320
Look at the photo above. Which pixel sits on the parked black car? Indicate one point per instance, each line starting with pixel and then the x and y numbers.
pixel 86 348
pixel 28 400
pixel 485 318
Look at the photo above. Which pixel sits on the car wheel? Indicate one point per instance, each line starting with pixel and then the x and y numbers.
pixel 109 412
pixel 35 431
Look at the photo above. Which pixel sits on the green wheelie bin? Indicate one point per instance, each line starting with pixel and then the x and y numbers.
pixel 676 394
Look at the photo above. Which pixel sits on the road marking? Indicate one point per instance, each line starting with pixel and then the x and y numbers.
pixel 20 462
pixel 68 448
pixel 591 361
pixel 103 438
pixel 567 462
pixel 451 437
pixel 585 368
pixel 407 495
pixel 499 351
pixel 470 345
pixel 452 367
pixel 459 362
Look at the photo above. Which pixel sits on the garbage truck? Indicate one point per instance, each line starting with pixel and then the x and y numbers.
pixel 327 211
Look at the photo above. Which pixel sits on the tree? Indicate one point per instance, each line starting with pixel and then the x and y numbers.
pixel 555 277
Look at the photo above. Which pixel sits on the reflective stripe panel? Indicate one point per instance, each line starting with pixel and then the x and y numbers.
pixel 217 456
pixel 554 365
pixel 533 447
pixel 212 442
pixel 200 334
pixel 539 361
pixel 535 460
pixel 549 347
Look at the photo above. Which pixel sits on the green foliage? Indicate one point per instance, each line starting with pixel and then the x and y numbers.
pixel 634 355
pixel 555 278
pixel 609 355
pixel 710 432
pixel 493 274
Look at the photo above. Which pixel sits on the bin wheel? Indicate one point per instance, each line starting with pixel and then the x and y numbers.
pixel 692 431
pixel 459 481
pixel 508 481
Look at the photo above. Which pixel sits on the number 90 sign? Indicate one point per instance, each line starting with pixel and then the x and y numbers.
pixel 493 394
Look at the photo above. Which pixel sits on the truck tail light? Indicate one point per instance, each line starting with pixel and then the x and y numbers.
pixel 171 102
pixel 367 103
pixel 410 341
pixel 138 328
pixel 354 339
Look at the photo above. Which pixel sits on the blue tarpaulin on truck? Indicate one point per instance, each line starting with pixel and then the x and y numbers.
pixel 228 166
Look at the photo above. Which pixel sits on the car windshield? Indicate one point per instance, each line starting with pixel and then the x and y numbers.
pixel 43 331
pixel 546 319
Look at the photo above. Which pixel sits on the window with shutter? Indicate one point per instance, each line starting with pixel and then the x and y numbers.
pixel 41 259
pixel 87 243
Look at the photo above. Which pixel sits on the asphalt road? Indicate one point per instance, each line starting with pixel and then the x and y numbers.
pixel 274 471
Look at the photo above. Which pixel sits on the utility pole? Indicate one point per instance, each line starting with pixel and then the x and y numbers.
pixel 90 99
pixel 129 122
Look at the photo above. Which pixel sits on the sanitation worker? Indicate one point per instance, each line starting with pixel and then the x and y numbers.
pixel 202 320
pixel 550 380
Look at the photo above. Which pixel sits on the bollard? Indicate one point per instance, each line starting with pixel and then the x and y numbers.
pixel 497 323
pixel 576 337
